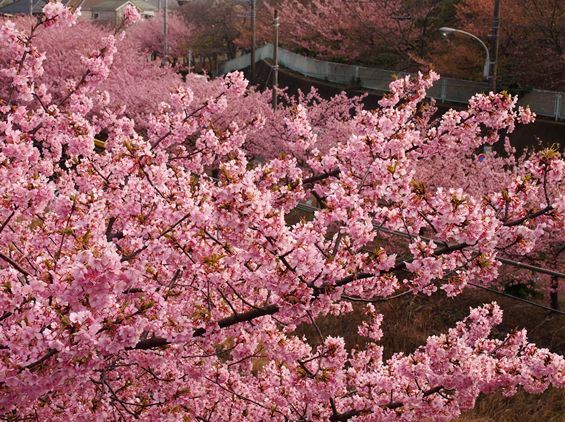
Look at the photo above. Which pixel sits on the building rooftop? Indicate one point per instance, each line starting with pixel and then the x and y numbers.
pixel 112 5
pixel 21 7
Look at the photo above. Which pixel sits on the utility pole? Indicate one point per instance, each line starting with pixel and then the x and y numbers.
pixel 165 34
pixel 276 24
pixel 253 38
pixel 495 37
pixel 31 7
pixel 189 60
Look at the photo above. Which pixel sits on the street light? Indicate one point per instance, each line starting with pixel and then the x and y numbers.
pixel 486 68
pixel 253 37
pixel 165 33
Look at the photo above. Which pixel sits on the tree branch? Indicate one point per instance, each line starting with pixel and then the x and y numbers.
pixel 400 265
pixel 529 216
pixel 33 365
pixel 321 176
pixel 342 417
pixel 155 342
pixel 14 264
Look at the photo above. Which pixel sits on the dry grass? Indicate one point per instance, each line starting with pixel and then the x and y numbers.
pixel 523 407
pixel 409 320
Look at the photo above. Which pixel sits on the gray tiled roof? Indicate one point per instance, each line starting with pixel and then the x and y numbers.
pixel 19 7
pixel 22 7
pixel 112 5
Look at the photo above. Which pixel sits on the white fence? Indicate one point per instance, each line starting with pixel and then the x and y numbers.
pixel 544 103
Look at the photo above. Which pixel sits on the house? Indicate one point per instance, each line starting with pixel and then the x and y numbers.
pixel 5 3
pixel 160 4
pixel 106 11
pixel 22 7
pixel 111 11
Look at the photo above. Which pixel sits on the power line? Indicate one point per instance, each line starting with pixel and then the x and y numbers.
pixel 310 208
pixel 531 267
pixel 529 302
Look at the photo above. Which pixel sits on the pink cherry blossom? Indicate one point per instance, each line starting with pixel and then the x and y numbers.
pixel 161 276
pixel 131 15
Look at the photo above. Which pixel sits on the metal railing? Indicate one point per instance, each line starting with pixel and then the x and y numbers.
pixel 543 103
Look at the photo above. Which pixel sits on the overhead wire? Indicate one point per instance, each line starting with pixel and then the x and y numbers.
pixel 534 268
pixel 529 302
pixel 310 208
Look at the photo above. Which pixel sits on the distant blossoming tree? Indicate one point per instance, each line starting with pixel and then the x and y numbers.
pixel 383 32
pixel 134 83
pixel 147 35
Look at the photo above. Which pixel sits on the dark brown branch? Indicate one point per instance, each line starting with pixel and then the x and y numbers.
pixel 151 343
pixel 33 365
pixel 400 265
pixel 133 290
pixel 5 223
pixel 321 176
pixel 320 200
pixel 342 417
pixel 354 277
pixel 14 264
pixel 155 342
pixel 397 404
pixel 529 216
pixel 110 235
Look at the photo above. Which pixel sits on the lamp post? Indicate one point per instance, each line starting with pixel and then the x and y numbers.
pixel 165 34
pixel 276 25
pixel 486 68
pixel 253 38
pixel 494 36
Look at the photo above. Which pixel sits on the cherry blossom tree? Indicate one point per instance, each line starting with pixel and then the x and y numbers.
pixel 215 28
pixel 532 40
pixel 136 286
pixel 402 34
pixel 147 35
pixel 376 32
pixel 135 82
pixel 480 174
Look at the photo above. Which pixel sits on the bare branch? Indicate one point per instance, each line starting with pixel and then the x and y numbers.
pixel 155 342
pixel 529 216
pixel 14 264
pixel 322 176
